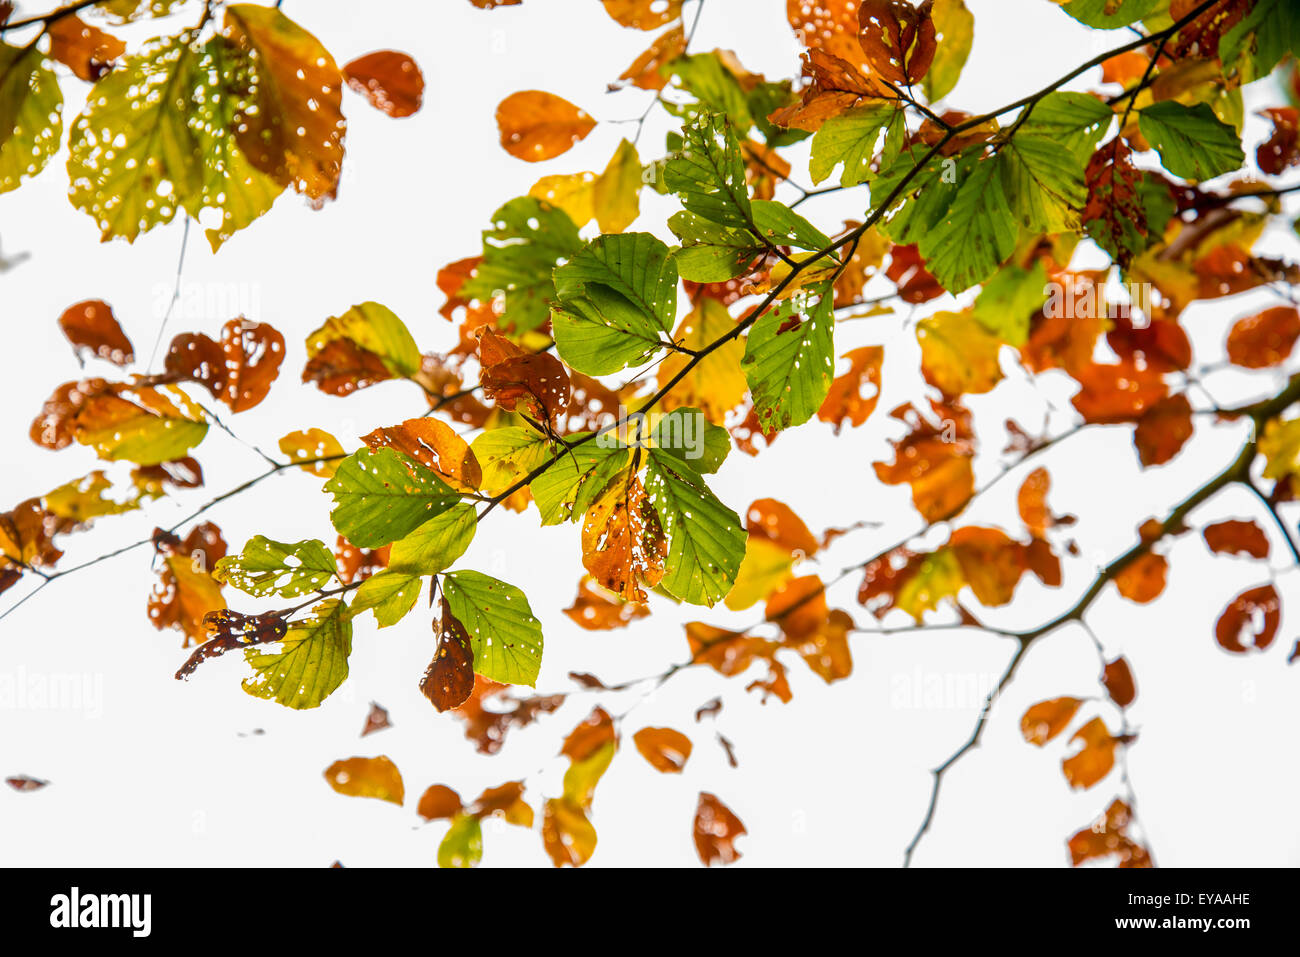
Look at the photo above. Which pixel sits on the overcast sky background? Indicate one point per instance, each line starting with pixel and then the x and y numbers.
pixel 154 771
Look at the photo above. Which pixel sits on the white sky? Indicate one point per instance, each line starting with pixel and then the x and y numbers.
pixel 160 772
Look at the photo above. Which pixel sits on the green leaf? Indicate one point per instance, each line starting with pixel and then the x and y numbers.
pixel 1075 121
pixel 978 233
pixel 1044 183
pixel 782 226
pixel 435 545
pixel 790 360
pixel 577 476
pixel 955 31
pixel 505 637
pixel 688 435
pixel 462 845
pixel 31 114
pixel 1192 142
pixel 133 158
pixel 850 138
pixel 389 594
pixel 1111 14
pixel 706 540
pixel 1262 37
pixel 616 297
pixel 711 252
pixel 708 173
pixel 1009 299
pixel 527 240
pixel 381 496
pixel 267 567
pixel 507 455
pixel 312 660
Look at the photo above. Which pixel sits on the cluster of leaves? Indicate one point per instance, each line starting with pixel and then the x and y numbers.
pixel 596 393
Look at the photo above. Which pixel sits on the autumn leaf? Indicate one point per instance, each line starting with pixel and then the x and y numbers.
pixel 537 126
pixel 92 327
pixel 666 750
pixel 1045 720
pixel 367 777
pixel 716 830
pixel 390 80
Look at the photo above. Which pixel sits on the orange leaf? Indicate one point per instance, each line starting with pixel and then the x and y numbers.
pixel 1097 756
pixel 538 126
pixel 367 777
pixel 1265 339
pixel 667 750
pixel 716 830
pixel 390 80
pixel 1047 719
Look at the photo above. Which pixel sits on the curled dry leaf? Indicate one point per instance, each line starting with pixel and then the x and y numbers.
pixel 390 80
pixel 1143 579
pixel 367 777
pixel 1250 621
pixel 666 750
pixel 1236 537
pixel 537 126
pixel 449 680
pixel 716 830
pixel 1045 720
pixel 92 327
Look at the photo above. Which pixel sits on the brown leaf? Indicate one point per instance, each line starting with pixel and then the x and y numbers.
pixel 1118 679
pixel 438 802
pixel 538 126
pixel 1252 616
pixel 1265 339
pixel 666 750
pixel 1163 430
pixel 91 326
pixel 1143 579
pixel 390 80
pixel 1045 720
pixel 595 609
pixel 376 719
pixel 897 38
pixel 1236 537
pixel 1095 759
pixel 716 831
pixel 853 394
pixel 237 371
pixel 435 446
pixel 449 680
pixel 231 630
pixel 367 777
pixel 88 51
